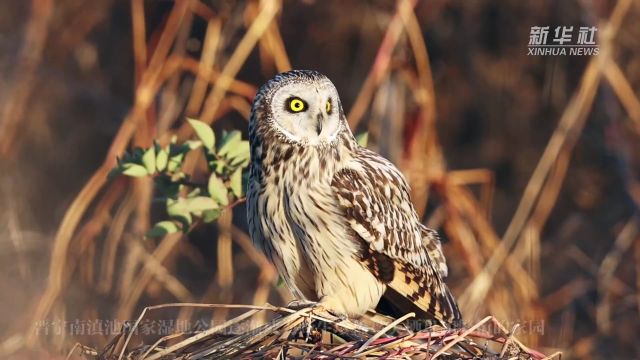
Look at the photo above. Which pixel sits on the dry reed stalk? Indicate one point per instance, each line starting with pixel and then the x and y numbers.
pixel 464 240
pixel 467 225
pixel 112 241
pixel 563 296
pixel 205 67
pixel 139 36
pixel 268 11
pixel 483 177
pixel 461 199
pixel 272 50
pixel 380 66
pixel 238 87
pixel 160 273
pixel 277 48
pixel 89 231
pixel 277 338
pixel 425 161
pixel 79 206
pixel 624 91
pixel 562 141
pixel 15 104
pixel 130 298
pixel 626 238
pixel 224 275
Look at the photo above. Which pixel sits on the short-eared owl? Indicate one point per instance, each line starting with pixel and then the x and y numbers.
pixel 335 218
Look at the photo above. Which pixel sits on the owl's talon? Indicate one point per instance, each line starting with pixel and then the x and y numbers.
pixel 341 317
pixel 307 331
pixel 301 304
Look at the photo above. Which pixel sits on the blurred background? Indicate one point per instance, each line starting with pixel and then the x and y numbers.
pixel 528 166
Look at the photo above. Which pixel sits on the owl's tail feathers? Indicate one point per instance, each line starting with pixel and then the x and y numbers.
pixel 423 293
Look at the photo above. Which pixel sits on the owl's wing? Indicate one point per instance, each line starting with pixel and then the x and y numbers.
pixel 396 247
pixel 431 241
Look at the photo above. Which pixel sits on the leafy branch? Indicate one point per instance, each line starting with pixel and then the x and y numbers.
pixel 187 201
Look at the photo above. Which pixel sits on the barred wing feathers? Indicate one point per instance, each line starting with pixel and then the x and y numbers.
pixel 396 247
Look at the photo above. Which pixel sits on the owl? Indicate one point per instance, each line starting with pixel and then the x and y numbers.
pixel 336 219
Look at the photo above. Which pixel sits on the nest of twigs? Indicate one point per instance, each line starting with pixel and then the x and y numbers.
pixel 314 333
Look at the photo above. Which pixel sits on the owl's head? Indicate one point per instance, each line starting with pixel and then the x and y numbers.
pixel 300 105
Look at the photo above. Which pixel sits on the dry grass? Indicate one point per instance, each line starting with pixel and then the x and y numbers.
pixel 313 333
pixel 99 244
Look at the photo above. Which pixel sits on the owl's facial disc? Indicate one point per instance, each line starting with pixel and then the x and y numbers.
pixel 307 112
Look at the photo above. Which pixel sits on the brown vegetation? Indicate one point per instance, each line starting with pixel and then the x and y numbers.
pixel 548 237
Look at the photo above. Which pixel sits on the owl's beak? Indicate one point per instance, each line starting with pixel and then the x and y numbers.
pixel 319 121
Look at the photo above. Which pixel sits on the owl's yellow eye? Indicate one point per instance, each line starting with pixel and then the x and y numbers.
pixel 297 105
pixel 328 106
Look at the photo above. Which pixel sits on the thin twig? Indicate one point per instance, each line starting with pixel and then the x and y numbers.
pixel 563 139
pixel 384 330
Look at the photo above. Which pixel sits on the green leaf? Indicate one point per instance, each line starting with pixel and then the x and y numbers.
pixel 218 190
pixel 236 183
pixel 149 160
pixel 229 142
pixel 195 192
pixel 363 139
pixel 175 162
pixel 137 153
pixel 199 204
pixel 166 186
pixel 161 159
pixel 219 166
pixel 204 133
pixel 126 157
pixel 178 209
pixel 193 144
pixel 240 154
pixel 177 176
pixel 176 149
pixel 210 215
pixel 163 228
pixel 135 170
